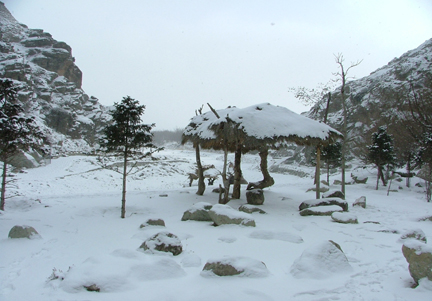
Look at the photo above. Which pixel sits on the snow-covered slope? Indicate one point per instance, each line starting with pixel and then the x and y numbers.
pixel 372 101
pixel 49 85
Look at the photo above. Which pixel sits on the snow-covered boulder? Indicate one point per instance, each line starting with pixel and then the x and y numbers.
pixel 198 212
pixel 360 202
pixel 321 261
pixel 324 202
pixel 255 197
pixel 414 234
pixel 153 222
pixel 321 210
pixel 419 257
pixel 224 214
pixel 235 266
pixel 23 232
pixel 344 218
pixel 251 209
pixel 163 242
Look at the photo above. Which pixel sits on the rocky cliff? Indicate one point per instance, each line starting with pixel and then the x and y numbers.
pixel 49 85
pixel 376 100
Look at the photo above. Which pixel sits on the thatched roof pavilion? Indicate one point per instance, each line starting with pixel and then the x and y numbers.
pixel 258 127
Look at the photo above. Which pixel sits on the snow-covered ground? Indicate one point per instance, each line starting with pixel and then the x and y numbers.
pixel 75 207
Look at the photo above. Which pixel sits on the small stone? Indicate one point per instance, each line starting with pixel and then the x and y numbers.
pixel 153 222
pixel 360 202
pixel 251 209
pixel 92 288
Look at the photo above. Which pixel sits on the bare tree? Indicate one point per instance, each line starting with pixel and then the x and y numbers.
pixel 342 75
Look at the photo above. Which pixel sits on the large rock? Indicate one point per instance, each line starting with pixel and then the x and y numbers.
pixel 321 261
pixel 198 212
pixel 255 196
pixel 344 218
pixel 419 257
pixel 324 202
pixel 224 214
pixel 23 232
pixel 321 210
pixel 163 242
pixel 235 266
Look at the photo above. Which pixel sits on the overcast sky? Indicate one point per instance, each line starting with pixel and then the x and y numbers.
pixel 175 55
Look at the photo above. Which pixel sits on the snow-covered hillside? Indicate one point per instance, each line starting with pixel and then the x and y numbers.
pixel 373 100
pixel 75 207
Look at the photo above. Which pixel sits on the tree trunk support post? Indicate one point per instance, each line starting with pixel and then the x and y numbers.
pixel 201 183
pixel 318 171
pixel 237 172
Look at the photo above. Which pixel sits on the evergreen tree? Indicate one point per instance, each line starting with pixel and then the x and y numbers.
pixel 126 136
pixel 331 154
pixel 17 132
pixel 381 152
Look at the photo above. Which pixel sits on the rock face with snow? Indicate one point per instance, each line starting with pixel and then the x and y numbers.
pixel 49 85
pixel 23 232
pixel 225 215
pixel 419 257
pixel 370 102
pixel 163 242
pixel 321 261
pixel 235 266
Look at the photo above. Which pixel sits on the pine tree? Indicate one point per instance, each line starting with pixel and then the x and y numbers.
pixel 127 136
pixel 331 154
pixel 381 152
pixel 17 131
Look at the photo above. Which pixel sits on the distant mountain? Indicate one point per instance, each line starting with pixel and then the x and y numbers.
pixel 49 85
pixel 376 99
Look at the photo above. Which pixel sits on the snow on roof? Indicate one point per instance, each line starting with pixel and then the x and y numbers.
pixel 262 122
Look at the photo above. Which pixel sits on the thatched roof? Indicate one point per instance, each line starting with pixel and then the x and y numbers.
pixel 257 127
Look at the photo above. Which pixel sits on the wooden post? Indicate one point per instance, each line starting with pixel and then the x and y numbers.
pixel 317 172
pixel 237 172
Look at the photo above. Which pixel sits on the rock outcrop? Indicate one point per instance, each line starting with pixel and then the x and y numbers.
pixel 49 86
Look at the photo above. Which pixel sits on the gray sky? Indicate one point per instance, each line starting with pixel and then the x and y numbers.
pixel 175 55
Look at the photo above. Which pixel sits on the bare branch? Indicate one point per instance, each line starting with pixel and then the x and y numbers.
pixel 213 110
